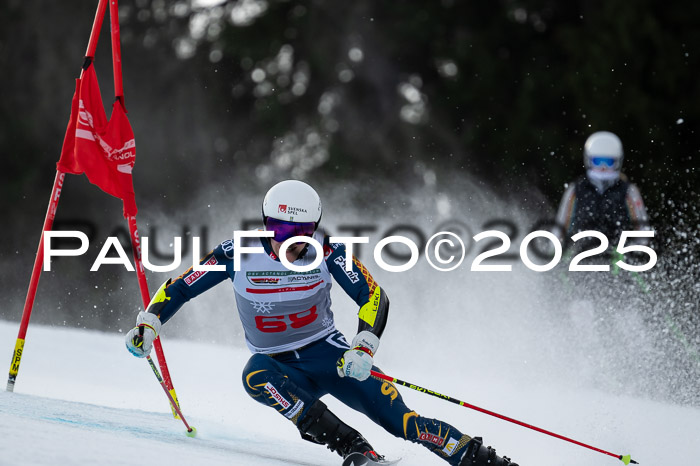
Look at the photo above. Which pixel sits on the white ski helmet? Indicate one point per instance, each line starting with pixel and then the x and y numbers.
pixel 292 201
pixel 603 150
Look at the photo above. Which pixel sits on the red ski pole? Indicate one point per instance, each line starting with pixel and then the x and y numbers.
pixel 145 297
pixel 625 459
pixel 191 431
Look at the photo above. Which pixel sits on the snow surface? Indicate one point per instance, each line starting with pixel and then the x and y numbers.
pixel 81 398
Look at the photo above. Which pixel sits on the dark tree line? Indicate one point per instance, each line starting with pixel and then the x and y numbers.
pixel 507 90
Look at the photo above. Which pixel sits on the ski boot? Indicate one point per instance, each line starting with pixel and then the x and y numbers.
pixel 479 455
pixel 323 427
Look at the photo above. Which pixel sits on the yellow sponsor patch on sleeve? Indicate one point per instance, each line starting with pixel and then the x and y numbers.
pixel 368 312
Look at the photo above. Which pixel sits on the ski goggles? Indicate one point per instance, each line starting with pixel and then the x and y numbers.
pixel 285 230
pixel 601 161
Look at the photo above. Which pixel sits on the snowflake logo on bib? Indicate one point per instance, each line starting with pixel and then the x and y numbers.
pixel 263 307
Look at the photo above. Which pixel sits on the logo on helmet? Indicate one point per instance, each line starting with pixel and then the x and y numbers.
pixel 282 208
pixel 295 210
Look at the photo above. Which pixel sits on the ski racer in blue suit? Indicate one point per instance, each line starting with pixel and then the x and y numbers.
pixel 298 355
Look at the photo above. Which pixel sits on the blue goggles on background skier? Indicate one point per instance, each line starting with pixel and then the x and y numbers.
pixel 600 161
pixel 285 230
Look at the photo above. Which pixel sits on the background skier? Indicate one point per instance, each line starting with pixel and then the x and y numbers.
pixel 603 199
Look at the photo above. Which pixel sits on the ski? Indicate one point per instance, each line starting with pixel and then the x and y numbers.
pixel 358 459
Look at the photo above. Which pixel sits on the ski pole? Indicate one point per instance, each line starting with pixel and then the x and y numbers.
pixel 625 459
pixel 191 431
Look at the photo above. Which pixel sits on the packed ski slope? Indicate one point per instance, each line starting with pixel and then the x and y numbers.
pixel 82 399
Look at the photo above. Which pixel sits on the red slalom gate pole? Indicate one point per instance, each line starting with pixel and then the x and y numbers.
pixel 116 51
pixel 34 281
pixel 48 225
pixel 625 459
pixel 96 28
pixel 131 220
